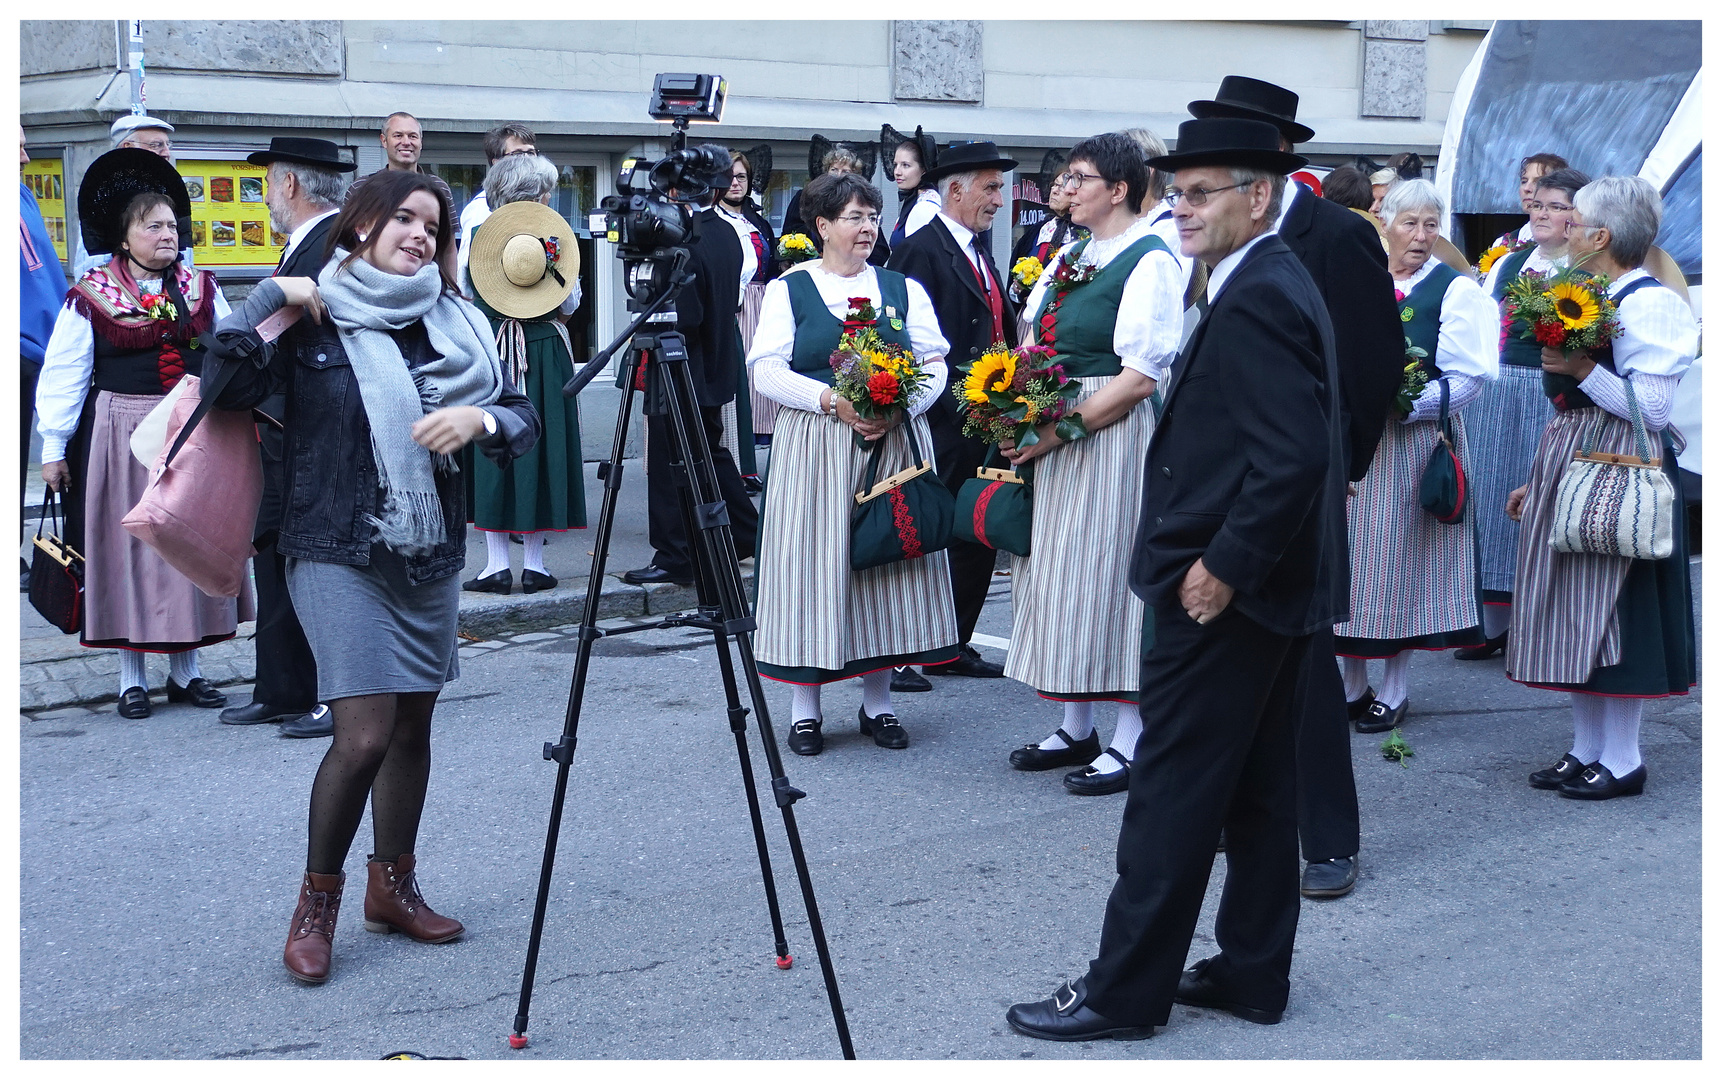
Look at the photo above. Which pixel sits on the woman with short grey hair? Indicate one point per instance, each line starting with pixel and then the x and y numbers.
pixel 1414 579
pixel 1609 630
pixel 519 178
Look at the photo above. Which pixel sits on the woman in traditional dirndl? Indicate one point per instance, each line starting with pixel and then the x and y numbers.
pixel 1506 421
pixel 819 621
pixel 1114 318
pixel 124 339
pixel 1609 630
pixel 1413 578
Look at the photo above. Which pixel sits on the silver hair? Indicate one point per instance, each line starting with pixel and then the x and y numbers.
pixel 1153 146
pixel 324 187
pixel 1414 195
pixel 967 179
pixel 519 178
pixel 1242 175
pixel 1629 208
pixel 1383 176
pixel 129 133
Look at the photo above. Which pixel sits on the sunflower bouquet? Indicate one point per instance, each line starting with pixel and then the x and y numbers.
pixel 1569 310
pixel 1006 393
pixel 796 247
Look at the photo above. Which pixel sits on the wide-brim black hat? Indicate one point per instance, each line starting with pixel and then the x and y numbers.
pixel 319 152
pixel 111 182
pixel 1250 144
pixel 1244 98
pixel 969 157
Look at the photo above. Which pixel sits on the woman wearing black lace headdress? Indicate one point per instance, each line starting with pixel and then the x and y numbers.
pixel 911 159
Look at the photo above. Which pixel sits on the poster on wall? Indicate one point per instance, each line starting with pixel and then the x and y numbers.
pixel 45 178
pixel 229 221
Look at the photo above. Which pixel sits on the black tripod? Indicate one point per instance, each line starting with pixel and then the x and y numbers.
pixel 723 609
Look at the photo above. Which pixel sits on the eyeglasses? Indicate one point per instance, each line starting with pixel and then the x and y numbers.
pixel 155 146
pixel 853 220
pixel 1553 207
pixel 1582 225
pixel 529 150
pixel 1199 196
pixel 1076 179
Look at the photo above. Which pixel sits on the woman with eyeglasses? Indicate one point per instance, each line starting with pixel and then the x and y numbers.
pixel 1506 421
pixel 1413 578
pixel 819 621
pixel 1610 631
pixel 1114 320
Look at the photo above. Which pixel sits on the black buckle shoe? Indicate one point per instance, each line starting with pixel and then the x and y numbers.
pixel 1551 778
pixel 1032 758
pixel 501 583
pixel 885 729
pixel 1091 781
pixel 1379 717
pixel 1198 989
pixel 1065 1018
pixel 1597 783
pixel 906 680
pixel 134 703
pixel 805 737
pixel 198 692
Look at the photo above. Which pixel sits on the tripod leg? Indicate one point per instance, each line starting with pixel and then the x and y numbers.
pixel 562 751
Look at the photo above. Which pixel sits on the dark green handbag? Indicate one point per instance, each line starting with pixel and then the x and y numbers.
pixel 996 507
pixel 1441 491
pixel 904 516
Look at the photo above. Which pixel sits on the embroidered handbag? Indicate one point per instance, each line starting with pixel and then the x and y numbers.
pixel 996 507
pixel 1442 490
pixel 56 573
pixel 904 516
pixel 1615 504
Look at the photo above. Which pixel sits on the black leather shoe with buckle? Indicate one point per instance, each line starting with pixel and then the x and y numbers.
pixel 1200 990
pixel 1064 1017
pixel 1379 717
pixel 805 737
pixel 1597 783
pixel 1551 778
pixel 1091 781
pixel 134 703
pixel 884 728
pixel 1032 758
pixel 198 692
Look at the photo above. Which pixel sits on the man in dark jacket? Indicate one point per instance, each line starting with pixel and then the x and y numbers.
pixel 969 296
pixel 705 313
pixel 303 190
pixel 1344 256
pixel 1238 557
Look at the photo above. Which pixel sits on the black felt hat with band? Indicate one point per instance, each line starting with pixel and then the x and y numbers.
pixel 319 152
pixel 1249 144
pixel 969 157
pixel 110 184
pixel 1244 98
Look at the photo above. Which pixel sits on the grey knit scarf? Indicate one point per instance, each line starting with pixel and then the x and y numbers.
pixel 366 303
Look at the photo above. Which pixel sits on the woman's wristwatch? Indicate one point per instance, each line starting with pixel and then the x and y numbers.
pixel 489 421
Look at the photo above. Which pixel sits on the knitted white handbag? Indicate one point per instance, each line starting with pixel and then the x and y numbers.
pixel 1615 504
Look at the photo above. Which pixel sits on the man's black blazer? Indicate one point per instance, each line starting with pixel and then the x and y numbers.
pixel 1344 256
pixel 705 311
pixel 1246 467
pixel 931 256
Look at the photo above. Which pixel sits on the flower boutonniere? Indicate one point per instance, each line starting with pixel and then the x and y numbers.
pixel 860 314
pixel 157 306
pixel 552 255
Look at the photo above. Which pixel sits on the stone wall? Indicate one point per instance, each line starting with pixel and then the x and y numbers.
pixel 937 60
pixel 301 47
pixel 62 46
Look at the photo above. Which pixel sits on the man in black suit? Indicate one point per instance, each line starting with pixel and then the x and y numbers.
pixel 1344 256
pixel 952 264
pixel 705 315
pixel 302 188
pixel 1239 557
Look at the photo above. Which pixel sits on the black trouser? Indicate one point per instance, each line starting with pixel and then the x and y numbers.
pixel 971 564
pixel 286 670
pixel 1215 753
pixel 665 527
pixel 1326 789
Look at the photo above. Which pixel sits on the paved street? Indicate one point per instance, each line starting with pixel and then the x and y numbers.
pixel 161 858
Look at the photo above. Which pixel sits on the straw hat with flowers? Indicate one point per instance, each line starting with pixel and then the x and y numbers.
pixel 525 260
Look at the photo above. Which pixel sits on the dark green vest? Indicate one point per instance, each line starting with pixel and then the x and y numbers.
pixel 1516 350
pixel 817 331
pixel 1420 311
pixel 1082 334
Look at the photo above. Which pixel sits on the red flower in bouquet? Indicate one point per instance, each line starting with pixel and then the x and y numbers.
pixel 1550 332
pixel 882 388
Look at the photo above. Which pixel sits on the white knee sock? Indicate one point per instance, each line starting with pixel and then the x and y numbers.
pixel 1587 728
pixel 1123 738
pixel 132 670
pixel 1078 724
pixel 1496 618
pixel 1396 681
pixel 1620 717
pixel 876 692
pixel 182 667
pixel 534 543
pixel 1356 678
pixel 495 553
pixel 804 703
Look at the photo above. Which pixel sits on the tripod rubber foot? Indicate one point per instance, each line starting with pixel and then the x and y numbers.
pixel 518 1042
pixel 786 961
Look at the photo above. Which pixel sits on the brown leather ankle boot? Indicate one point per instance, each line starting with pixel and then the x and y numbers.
pixel 392 902
pixel 311 938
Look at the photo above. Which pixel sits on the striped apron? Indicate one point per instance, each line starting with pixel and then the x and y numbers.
pixel 764 409
pixel 1076 628
pixel 820 621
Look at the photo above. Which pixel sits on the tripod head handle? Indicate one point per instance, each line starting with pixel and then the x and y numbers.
pixel 589 371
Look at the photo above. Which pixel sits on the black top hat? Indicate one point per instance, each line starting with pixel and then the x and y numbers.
pixel 1251 144
pixel 111 182
pixel 968 157
pixel 1252 99
pixel 319 152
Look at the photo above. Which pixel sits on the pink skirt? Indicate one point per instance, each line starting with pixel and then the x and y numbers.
pixel 132 598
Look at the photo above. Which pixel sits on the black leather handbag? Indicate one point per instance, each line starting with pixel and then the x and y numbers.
pixel 56 573
pixel 904 516
pixel 1442 491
